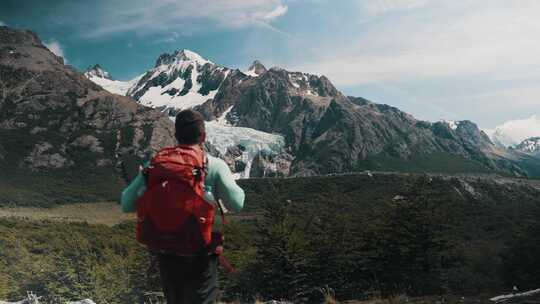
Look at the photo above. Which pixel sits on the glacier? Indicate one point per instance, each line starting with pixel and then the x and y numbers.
pixel 254 141
pixel 222 135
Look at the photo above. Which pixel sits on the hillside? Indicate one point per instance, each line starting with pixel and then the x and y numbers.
pixel 62 137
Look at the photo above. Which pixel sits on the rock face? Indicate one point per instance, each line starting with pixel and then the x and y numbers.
pixel 54 118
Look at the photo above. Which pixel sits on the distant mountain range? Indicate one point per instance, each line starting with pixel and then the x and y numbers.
pixel 66 136
pixel 323 130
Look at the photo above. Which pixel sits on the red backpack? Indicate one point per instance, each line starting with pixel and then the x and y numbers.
pixel 172 216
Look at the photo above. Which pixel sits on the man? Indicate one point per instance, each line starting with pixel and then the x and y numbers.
pixel 191 279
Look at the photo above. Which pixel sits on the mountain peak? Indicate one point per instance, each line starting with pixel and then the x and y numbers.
pixel 97 71
pixel 189 55
pixel 181 56
pixel 256 69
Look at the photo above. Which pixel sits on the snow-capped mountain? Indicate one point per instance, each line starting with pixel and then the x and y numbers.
pixel 102 78
pixel 530 146
pixel 97 71
pixel 185 80
pixel 274 122
pixel 181 80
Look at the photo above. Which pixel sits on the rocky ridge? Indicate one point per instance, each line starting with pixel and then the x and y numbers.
pixel 324 130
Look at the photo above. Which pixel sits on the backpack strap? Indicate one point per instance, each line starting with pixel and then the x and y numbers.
pixel 199 172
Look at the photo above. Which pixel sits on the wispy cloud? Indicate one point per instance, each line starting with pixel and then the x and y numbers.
pixel 446 39
pixel 279 11
pixel 384 6
pixel 56 48
pixel 145 17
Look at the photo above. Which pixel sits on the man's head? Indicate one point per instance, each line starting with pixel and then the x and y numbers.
pixel 189 127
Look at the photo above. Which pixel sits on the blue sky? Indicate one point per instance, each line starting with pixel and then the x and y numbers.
pixel 436 59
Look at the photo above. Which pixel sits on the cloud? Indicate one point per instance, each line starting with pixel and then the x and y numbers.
pixel 442 39
pixel 144 17
pixel 515 131
pixel 56 48
pixel 2 23
pixel 279 11
pixel 376 7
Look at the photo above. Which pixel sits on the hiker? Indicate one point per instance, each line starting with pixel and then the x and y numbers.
pixel 176 179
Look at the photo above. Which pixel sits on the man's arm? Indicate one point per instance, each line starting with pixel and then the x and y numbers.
pixel 132 192
pixel 227 189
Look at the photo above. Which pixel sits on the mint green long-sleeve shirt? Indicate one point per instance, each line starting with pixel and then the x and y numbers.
pixel 219 181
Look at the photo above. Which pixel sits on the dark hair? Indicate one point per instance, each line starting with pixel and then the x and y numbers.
pixel 189 127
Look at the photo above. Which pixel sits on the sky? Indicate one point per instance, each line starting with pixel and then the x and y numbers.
pixel 436 59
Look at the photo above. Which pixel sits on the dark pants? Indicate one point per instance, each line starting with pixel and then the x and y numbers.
pixel 190 280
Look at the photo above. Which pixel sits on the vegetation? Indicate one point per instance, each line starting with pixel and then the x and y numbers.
pixel 23 187
pixel 307 240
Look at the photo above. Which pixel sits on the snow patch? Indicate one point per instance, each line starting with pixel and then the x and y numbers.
pixel 251 73
pixel 192 56
pixel 452 124
pixel 115 86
